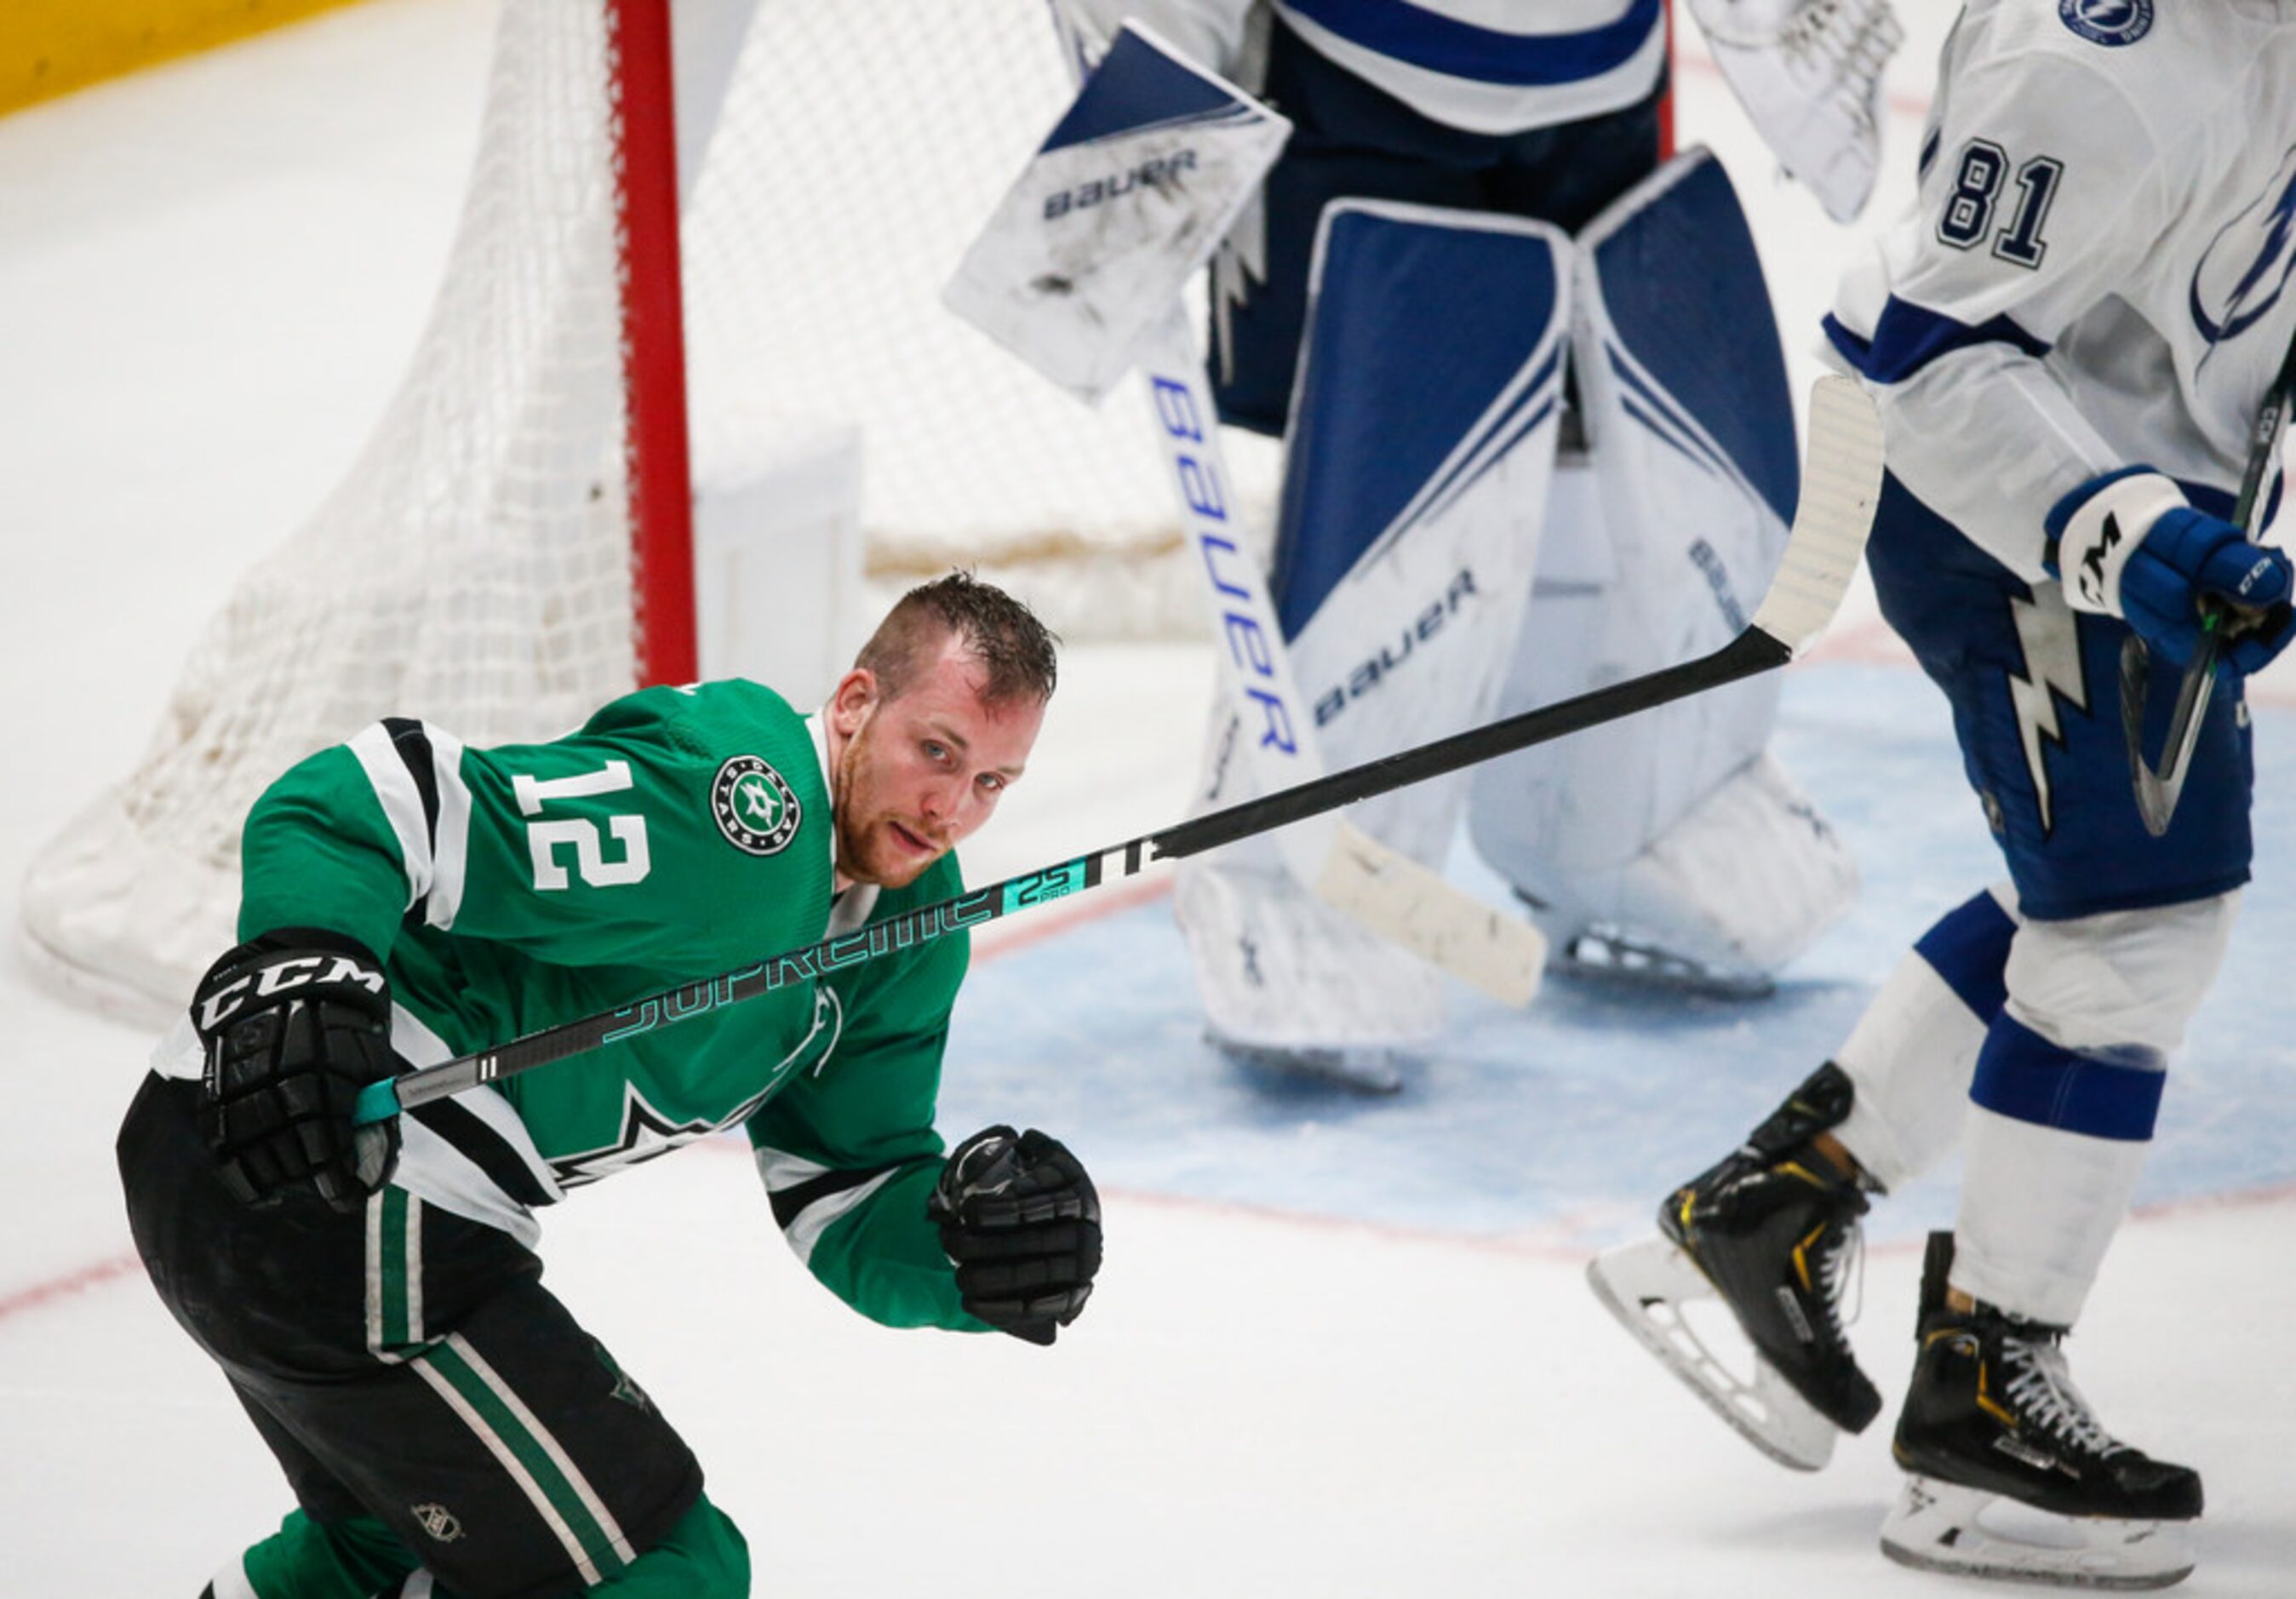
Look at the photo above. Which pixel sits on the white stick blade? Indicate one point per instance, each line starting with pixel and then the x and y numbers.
pixel 1841 487
pixel 1415 906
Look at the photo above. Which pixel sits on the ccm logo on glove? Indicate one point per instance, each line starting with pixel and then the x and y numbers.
pixel 219 1005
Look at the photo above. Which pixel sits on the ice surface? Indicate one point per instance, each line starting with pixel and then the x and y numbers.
pixel 1342 1347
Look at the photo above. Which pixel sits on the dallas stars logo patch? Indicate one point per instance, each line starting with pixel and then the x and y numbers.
pixel 756 808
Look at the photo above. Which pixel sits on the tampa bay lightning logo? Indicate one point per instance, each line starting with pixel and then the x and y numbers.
pixel 2108 22
pixel 2245 268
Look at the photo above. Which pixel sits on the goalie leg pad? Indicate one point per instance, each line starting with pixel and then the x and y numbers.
pixel 1277 968
pixel 1416 472
pixel 1744 882
pixel 1691 468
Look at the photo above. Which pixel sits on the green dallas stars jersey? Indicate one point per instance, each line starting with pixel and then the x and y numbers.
pixel 680 832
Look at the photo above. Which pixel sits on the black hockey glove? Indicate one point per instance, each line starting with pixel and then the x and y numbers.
pixel 294 1024
pixel 1020 1221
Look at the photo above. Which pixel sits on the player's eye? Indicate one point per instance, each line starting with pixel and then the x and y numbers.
pixel 991 780
pixel 936 752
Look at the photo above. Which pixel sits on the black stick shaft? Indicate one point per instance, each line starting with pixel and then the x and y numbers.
pixel 1752 651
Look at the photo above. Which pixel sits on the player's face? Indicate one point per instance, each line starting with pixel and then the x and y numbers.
pixel 917 773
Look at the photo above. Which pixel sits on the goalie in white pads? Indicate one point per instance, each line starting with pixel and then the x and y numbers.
pixel 2068 338
pixel 1427 472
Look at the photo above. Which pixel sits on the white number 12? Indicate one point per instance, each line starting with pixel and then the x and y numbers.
pixel 543 838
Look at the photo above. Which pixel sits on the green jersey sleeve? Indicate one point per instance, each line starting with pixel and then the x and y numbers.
pixel 848 1151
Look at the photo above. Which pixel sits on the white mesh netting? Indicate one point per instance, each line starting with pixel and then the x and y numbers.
pixel 859 146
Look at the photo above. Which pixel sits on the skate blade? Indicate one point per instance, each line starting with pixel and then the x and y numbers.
pixel 1631 965
pixel 1935 1528
pixel 1644 1285
pixel 1368 1071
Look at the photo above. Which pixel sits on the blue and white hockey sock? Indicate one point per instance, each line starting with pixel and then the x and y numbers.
pixel 1912 1053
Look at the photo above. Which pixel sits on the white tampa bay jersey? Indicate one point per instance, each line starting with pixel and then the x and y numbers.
pixel 1487 66
pixel 2096 271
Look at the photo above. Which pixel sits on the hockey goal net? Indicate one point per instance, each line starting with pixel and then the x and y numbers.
pixel 481 564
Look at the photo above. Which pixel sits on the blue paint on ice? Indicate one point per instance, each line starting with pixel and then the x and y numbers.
pixel 1567 1121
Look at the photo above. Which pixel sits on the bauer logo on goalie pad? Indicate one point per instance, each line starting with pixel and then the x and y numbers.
pixel 1148 175
pixel 755 807
pixel 1375 669
pixel 1704 557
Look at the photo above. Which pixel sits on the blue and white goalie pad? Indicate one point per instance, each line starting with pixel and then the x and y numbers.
pixel 1674 827
pixel 1417 459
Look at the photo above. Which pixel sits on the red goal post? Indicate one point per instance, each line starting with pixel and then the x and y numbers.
pixel 644 123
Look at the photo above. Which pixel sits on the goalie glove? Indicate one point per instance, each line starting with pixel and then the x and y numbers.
pixel 292 1025
pixel 2125 545
pixel 1808 73
pixel 1020 1221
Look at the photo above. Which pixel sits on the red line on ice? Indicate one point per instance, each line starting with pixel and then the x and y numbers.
pixel 72 1282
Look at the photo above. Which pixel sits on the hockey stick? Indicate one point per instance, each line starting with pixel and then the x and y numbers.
pixel 1840 481
pixel 2159 788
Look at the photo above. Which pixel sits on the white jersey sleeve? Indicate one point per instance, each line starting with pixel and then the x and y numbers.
pixel 2042 196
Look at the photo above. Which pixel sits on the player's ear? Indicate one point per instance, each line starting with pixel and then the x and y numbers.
pixel 851 700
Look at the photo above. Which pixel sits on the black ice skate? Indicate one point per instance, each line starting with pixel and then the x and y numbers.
pixel 1992 1415
pixel 1773 1231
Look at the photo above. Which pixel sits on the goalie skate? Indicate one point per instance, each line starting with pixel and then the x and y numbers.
pixel 1647 1286
pixel 1607 955
pixel 1358 1071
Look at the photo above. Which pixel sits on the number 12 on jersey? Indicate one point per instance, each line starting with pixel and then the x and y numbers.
pixel 544 837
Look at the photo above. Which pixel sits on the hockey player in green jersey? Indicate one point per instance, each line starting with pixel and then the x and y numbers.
pixel 372 1295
